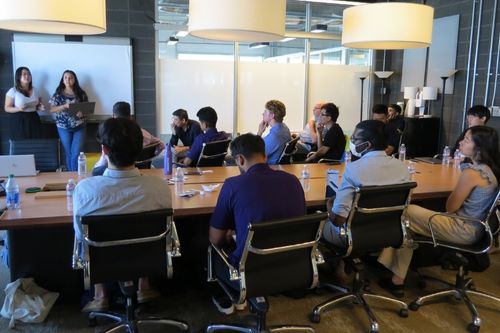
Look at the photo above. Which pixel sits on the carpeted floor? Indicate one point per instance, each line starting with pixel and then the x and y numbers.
pixel 193 305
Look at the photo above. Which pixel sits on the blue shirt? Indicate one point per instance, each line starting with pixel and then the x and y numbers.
pixel 260 194
pixel 275 141
pixel 211 134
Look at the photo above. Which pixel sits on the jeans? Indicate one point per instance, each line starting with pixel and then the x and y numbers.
pixel 73 140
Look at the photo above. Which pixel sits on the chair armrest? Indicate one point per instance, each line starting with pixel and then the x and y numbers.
pixel 234 275
pixel 463 218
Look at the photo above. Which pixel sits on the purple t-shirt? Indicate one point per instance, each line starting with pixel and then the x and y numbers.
pixel 260 194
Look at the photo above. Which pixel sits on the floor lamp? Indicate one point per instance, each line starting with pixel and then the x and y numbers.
pixel 383 75
pixel 362 76
pixel 444 75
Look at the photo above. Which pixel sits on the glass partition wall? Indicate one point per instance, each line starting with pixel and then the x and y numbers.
pixel 237 79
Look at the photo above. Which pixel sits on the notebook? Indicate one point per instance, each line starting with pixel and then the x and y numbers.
pixel 83 107
pixel 17 165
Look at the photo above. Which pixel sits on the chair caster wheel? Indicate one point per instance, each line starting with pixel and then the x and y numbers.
pixel 473 328
pixel 92 322
pixel 471 286
pixel 414 306
pixel 315 318
pixel 403 313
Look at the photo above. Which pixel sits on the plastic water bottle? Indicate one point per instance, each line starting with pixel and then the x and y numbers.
pixel 179 181
pixel 456 159
pixel 348 157
pixel 82 164
pixel 306 178
pixel 70 188
pixel 12 193
pixel 446 155
pixel 167 160
pixel 402 152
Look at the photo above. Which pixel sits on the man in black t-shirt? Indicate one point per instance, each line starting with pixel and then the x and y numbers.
pixel 380 112
pixel 183 129
pixel 331 138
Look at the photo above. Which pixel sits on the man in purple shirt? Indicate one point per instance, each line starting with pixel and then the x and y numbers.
pixel 258 194
pixel 208 121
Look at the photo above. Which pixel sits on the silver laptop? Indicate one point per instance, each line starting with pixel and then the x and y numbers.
pixel 83 107
pixel 17 165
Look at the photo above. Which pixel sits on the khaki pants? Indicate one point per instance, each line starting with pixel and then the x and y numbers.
pixel 445 228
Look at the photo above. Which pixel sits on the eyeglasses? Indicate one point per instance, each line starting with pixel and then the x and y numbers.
pixel 325 115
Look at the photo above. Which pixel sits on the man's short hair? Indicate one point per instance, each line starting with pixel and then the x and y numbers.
pixel 277 108
pixel 396 108
pixel 208 115
pixel 373 131
pixel 331 110
pixel 248 145
pixel 123 138
pixel 121 110
pixel 479 111
pixel 380 109
pixel 181 114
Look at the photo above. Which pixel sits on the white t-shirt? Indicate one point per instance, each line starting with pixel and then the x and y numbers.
pixel 20 99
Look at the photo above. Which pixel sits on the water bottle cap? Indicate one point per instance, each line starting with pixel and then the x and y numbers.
pixel 11 175
pixel 71 180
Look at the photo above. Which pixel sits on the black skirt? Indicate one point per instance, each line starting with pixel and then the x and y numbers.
pixel 25 125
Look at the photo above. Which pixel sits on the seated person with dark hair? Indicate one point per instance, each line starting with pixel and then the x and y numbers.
pixel 121 190
pixel 252 197
pixel 478 115
pixel 183 129
pixel 379 112
pixel 331 138
pixel 395 118
pixel 208 122
pixel 122 110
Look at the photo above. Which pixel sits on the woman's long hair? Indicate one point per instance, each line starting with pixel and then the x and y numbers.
pixel 19 87
pixel 79 93
pixel 486 147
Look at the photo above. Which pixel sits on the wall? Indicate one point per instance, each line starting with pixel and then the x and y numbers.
pixel 125 18
pixel 454 104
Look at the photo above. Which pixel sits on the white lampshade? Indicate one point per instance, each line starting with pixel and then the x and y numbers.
pixel 238 20
pixel 429 93
pixel 383 74
pixel 65 17
pixel 446 72
pixel 362 75
pixel 388 25
pixel 410 92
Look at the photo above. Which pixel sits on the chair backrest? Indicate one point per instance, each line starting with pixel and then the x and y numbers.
pixel 46 151
pixel 146 156
pixel 376 219
pixel 280 255
pixel 288 151
pixel 213 153
pixel 127 246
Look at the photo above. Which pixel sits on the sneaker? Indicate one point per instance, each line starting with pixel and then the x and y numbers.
pixel 223 304
pixel 100 304
pixel 147 295
pixel 395 289
pixel 241 306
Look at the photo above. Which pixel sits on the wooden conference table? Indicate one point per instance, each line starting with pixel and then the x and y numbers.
pixel 41 234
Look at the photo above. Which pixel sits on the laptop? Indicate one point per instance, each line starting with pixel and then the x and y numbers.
pixel 83 107
pixel 17 165
pixel 430 160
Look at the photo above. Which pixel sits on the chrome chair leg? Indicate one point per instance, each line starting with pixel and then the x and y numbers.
pixel 221 327
pixel 371 316
pixel 325 306
pixel 291 329
pixel 159 321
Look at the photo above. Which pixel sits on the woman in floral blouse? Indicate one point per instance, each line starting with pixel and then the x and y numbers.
pixel 71 127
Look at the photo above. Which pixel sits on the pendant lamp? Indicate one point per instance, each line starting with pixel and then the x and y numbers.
pixel 64 17
pixel 238 20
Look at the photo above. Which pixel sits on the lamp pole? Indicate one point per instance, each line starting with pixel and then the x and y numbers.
pixel 361 108
pixel 444 78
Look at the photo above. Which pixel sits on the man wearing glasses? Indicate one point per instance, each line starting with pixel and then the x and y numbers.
pixel 331 138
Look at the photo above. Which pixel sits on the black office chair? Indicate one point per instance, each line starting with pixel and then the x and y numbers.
pixel 375 221
pixel 124 248
pixel 280 256
pixel 461 257
pixel 213 153
pixel 288 151
pixel 47 152
pixel 146 156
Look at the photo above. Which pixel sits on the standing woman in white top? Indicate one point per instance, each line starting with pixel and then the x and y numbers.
pixel 22 102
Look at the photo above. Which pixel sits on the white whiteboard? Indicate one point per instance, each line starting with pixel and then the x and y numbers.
pixel 103 66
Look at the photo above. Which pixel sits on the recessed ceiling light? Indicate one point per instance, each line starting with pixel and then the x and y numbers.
pixel 172 40
pixel 258 45
pixel 319 28
pixel 181 33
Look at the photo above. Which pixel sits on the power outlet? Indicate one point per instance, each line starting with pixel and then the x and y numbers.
pixel 495 111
